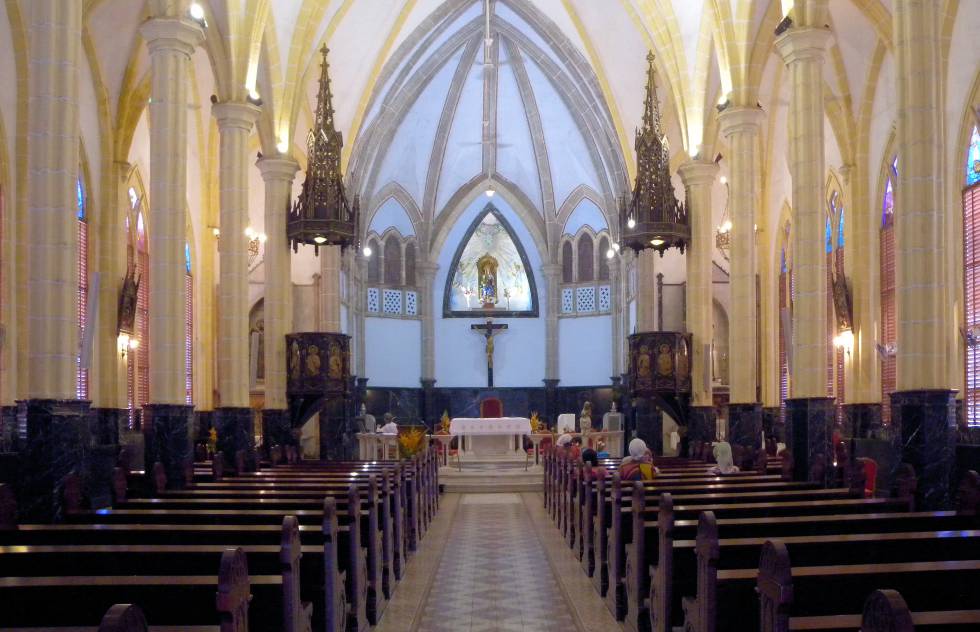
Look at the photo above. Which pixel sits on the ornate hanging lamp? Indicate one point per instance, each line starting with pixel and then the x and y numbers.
pixel 322 214
pixel 653 218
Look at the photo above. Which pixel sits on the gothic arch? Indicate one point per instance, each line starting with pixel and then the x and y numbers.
pixel 490 209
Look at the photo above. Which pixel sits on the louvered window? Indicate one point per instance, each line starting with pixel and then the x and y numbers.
pixel 784 306
pixel 189 337
pixel 81 382
pixel 971 276
pixel 889 324
pixel 138 359
pixel 393 261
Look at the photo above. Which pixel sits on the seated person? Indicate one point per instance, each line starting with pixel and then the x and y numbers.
pixel 638 466
pixel 390 427
pixel 591 457
pixel 723 459
pixel 564 441
pixel 601 451
pixel 575 448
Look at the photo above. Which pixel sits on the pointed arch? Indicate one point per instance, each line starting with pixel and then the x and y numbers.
pixel 465 273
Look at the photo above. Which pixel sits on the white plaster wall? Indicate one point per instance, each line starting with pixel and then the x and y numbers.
pixel 584 356
pixel 519 358
pixel 393 352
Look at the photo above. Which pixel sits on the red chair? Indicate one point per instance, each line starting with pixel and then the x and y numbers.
pixel 491 408
pixel 870 476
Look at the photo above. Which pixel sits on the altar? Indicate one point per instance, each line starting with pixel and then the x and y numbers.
pixel 488 437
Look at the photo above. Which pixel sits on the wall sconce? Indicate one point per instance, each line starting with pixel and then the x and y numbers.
pixel 845 341
pixel 126 343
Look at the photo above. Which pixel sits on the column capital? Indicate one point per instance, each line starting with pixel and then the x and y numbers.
pixel 277 168
pixel 802 43
pixel 697 172
pixel 233 114
pixel 551 270
pixel 741 119
pixel 846 171
pixel 173 34
pixel 427 269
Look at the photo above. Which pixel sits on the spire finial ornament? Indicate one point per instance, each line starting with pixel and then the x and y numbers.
pixel 322 215
pixel 653 218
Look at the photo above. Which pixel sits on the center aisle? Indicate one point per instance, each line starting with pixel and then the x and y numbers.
pixel 494 563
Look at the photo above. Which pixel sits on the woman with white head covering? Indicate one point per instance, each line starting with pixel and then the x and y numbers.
pixel 639 464
pixel 723 457
pixel 564 440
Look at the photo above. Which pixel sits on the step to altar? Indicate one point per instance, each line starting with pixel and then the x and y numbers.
pixel 486 475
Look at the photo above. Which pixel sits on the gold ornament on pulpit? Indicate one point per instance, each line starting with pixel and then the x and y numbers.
pixel 313 360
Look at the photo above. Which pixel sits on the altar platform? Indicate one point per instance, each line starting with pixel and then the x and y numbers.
pixel 491 474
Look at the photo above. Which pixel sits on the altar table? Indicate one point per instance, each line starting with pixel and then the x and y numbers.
pixel 496 436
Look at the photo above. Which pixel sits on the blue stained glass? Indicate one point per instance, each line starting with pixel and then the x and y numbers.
pixel 895 165
pixel 187 257
pixel 973 160
pixel 888 204
pixel 840 230
pixel 80 198
pixel 829 237
pixel 782 261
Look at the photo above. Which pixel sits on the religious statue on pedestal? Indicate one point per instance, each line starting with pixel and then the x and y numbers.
pixel 585 418
pixel 487 274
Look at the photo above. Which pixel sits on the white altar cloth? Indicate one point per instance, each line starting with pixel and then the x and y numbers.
pixel 492 436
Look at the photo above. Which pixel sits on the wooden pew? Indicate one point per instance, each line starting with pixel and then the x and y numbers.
pixel 29 600
pixel 335 565
pixel 824 580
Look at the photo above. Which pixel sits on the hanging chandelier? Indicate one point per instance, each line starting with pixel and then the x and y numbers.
pixel 322 214
pixel 653 218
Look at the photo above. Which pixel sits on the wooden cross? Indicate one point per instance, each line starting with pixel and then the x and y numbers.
pixel 486 330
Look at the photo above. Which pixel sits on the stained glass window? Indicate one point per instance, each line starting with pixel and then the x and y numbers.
pixel 80 198
pixel 829 236
pixel 973 159
pixel 187 257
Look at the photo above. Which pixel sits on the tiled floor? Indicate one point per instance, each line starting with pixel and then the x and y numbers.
pixel 493 563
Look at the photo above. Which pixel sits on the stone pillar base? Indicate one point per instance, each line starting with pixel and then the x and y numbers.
pixel 861 421
pixel 166 438
pixel 550 412
pixel 203 422
pixel 236 431
pixel 649 424
pixel 702 424
pixel 277 428
pixel 772 423
pixel 428 407
pixel 926 420
pixel 810 422
pixel 56 440
pixel 337 441
pixel 745 425
pixel 105 425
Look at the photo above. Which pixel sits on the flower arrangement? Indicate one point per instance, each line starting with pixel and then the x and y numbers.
pixel 212 441
pixel 411 442
pixel 444 423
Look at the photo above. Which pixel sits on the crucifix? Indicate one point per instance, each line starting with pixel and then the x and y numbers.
pixel 487 331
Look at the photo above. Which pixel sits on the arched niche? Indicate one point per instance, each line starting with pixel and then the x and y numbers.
pixel 490 234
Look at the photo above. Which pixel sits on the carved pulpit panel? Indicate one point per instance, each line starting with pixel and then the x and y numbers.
pixel 660 363
pixel 318 363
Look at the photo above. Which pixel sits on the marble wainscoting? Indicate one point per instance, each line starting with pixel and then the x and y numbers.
pixel 927 420
pixel 406 403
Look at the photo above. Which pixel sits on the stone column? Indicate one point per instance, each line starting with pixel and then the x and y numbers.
pixel 277 173
pixel 741 125
pixel 330 257
pixel 646 291
pixel 616 310
pixel 552 278
pixel 862 371
pixel 425 275
pixel 55 420
pixel 923 408
pixel 166 419
pixel 698 178
pixel 234 420
pixel 810 413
